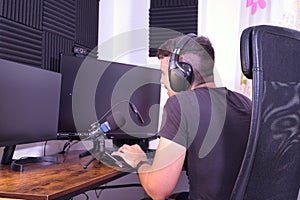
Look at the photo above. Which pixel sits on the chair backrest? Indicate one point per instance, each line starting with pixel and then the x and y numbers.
pixel 270 56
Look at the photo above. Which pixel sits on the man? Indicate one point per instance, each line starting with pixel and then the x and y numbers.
pixel 202 124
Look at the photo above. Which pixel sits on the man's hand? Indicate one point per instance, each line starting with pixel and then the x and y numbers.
pixel 131 154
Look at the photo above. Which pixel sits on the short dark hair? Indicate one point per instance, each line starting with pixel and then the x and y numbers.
pixel 168 46
pixel 199 46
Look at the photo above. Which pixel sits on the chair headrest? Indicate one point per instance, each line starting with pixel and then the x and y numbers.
pixel 246 52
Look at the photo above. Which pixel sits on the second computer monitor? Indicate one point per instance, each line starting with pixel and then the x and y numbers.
pixel 92 89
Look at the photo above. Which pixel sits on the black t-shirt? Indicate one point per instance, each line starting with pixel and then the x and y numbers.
pixel 213 124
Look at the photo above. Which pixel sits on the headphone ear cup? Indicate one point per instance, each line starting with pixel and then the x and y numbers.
pixel 180 80
pixel 180 73
pixel 188 71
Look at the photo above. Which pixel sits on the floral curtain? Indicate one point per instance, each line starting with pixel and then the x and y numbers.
pixel 285 13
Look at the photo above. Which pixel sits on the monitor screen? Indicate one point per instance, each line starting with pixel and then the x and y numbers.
pixel 93 89
pixel 29 103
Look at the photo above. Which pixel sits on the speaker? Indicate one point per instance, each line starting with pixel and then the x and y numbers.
pixel 180 73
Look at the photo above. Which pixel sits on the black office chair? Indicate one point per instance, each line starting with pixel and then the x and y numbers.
pixel 271 167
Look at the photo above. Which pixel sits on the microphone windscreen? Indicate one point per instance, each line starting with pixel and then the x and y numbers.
pixel 116 120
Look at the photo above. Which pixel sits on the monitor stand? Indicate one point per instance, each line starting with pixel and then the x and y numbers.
pixel 18 164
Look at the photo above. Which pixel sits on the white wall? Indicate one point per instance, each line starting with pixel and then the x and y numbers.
pixel 219 20
pixel 122 21
pixel 123 35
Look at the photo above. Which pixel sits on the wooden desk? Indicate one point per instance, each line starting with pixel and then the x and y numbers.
pixel 43 181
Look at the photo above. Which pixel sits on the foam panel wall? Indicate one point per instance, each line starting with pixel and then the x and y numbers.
pixel 36 32
pixel 168 19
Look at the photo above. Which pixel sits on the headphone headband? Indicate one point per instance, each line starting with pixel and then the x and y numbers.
pixel 182 42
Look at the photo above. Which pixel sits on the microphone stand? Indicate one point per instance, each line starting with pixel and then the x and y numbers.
pixel 94 149
pixel 97 135
pixel 100 152
pixel 93 134
pixel 97 150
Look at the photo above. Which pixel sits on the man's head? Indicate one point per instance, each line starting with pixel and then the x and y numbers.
pixel 197 52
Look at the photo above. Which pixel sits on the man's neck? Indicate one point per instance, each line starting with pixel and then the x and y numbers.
pixel 208 85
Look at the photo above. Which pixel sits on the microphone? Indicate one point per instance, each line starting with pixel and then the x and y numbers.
pixel 112 122
pixel 136 112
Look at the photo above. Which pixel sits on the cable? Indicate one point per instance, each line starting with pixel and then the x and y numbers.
pixel 67 146
pixel 105 114
pixel 45 144
pixel 72 144
pixel 98 194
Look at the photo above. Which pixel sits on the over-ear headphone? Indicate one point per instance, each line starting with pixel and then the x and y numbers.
pixel 180 73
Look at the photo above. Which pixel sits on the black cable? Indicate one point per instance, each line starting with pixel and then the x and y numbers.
pixel 64 148
pixel 98 194
pixel 67 146
pixel 45 144
pixel 87 196
pixel 72 144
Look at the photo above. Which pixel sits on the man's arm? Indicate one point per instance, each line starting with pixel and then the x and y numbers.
pixel 160 178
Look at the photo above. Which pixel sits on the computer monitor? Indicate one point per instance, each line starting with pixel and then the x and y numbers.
pixel 92 89
pixel 29 105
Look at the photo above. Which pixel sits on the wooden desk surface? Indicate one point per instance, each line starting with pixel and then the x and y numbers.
pixel 55 181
